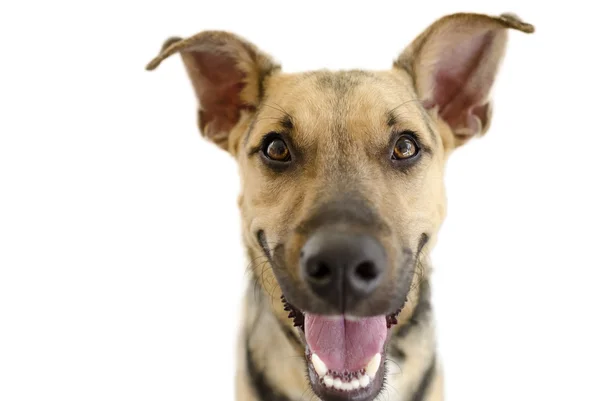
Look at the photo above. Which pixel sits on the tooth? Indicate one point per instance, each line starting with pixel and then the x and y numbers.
pixel 373 365
pixel 319 365
pixel 337 383
pixel 355 384
pixel 328 380
pixel 364 381
pixel 346 386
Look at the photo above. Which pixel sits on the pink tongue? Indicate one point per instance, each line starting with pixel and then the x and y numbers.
pixel 343 344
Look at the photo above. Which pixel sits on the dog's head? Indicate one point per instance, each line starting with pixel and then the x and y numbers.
pixel 342 176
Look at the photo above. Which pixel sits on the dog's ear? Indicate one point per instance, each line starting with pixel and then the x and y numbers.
pixel 453 64
pixel 227 75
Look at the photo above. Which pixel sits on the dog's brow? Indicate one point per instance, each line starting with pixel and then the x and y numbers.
pixel 392 120
pixel 286 121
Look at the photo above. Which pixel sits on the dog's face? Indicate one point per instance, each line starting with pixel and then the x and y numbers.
pixel 342 177
pixel 325 187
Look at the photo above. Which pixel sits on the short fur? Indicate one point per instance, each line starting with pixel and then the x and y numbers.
pixel 339 125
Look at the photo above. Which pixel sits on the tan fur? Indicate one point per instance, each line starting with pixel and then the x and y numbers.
pixel 337 141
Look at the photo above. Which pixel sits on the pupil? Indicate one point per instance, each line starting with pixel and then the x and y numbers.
pixel 277 149
pixel 405 148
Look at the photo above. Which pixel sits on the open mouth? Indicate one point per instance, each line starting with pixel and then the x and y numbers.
pixel 345 355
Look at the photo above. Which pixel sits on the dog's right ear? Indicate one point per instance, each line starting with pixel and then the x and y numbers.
pixel 227 74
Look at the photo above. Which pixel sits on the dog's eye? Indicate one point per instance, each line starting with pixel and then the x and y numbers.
pixel 275 149
pixel 405 147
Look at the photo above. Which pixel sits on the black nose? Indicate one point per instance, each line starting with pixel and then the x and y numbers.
pixel 342 268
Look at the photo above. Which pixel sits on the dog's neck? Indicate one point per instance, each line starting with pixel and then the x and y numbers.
pixel 272 367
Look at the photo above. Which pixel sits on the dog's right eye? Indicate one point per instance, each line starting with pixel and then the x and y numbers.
pixel 275 149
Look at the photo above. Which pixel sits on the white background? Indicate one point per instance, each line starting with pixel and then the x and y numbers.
pixel 121 267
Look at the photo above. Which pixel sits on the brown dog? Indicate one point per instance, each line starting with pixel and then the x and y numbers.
pixel 341 192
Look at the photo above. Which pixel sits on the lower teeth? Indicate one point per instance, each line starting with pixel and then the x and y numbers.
pixel 346 381
pixel 361 382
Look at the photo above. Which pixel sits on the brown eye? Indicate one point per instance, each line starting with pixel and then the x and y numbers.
pixel 405 148
pixel 277 150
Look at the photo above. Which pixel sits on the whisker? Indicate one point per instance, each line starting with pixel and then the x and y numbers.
pixel 404 103
pixel 394 362
pixel 268 118
pixel 279 108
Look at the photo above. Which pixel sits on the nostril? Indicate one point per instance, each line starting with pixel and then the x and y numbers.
pixel 366 271
pixel 319 271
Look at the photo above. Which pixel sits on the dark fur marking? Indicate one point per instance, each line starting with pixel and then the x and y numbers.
pixel 421 391
pixel 395 352
pixel 391 119
pixel 341 83
pixel 422 242
pixel 262 240
pixel 258 381
pixel 286 122
pixel 422 309
pixel 294 340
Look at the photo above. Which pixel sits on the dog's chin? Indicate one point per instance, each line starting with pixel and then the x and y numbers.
pixel 345 355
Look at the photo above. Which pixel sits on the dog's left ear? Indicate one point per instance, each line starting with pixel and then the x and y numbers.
pixel 227 74
pixel 453 64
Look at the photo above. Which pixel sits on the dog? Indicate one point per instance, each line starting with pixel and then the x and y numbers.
pixel 342 198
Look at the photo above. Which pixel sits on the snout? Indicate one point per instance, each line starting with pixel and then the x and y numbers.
pixel 342 268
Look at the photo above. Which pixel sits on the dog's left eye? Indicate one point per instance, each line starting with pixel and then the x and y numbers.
pixel 405 148
pixel 275 149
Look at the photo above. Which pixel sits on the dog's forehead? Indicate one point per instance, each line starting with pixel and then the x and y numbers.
pixel 318 103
